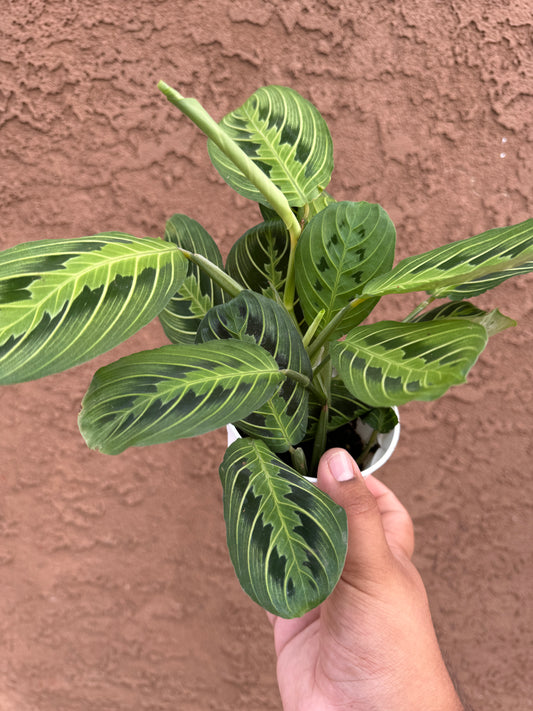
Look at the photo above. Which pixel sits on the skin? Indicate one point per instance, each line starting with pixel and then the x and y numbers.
pixel 371 646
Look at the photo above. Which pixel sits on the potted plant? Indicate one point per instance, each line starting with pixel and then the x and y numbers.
pixel 273 341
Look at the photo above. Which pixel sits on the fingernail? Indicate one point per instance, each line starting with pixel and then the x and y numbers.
pixel 341 466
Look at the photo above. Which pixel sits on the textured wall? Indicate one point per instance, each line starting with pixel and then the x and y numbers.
pixel 116 592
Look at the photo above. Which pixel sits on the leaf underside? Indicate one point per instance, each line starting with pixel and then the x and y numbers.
pixel 175 391
pixel 391 363
pixel 286 538
pixel 65 301
pixel 286 137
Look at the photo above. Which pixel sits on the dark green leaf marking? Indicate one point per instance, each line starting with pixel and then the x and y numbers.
pixel 287 539
pixel 197 293
pixel 492 321
pixel 174 392
pixel 253 318
pixel 390 363
pixel 465 268
pixel 258 260
pixel 287 139
pixel 339 251
pixel 63 302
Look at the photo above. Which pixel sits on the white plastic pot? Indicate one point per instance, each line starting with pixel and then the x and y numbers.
pixel 386 444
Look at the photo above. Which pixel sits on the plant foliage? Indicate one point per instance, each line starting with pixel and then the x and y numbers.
pixel 272 341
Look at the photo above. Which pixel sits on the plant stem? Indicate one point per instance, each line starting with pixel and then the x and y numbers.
pixel 418 309
pixel 319 446
pixel 323 362
pixel 371 442
pixel 219 276
pixel 290 282
pixel 305 381
pixel 324 335
pixel 198 115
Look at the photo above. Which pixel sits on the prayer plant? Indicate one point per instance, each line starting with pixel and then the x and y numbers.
pixel 271 341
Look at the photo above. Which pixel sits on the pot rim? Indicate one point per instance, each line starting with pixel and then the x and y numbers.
pixel 387 444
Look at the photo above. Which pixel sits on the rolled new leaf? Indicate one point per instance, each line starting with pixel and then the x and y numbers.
pixel 286 137
pixel 198 292
pixel 339 251
pixel 287 539
pixel 251 317
pixel 65 301
pixel 464 268
pixel 174 392
pixel 391 363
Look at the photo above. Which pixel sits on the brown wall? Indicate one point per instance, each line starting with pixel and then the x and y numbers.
pixel 116 592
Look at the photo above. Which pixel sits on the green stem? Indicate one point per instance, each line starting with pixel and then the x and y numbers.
pixel 198 115
pixel 305 381
pixel 219 276
pixel 323 362
pixel 364 454
pixel 321 434
pixel 418 309
pixel 332 325
pixel 290 281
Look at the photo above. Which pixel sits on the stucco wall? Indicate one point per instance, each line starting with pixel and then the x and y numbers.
pixel 116 591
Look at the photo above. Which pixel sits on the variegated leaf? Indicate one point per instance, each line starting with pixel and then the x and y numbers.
pixel 286 137
pixel 287 539
pixel 343 407
pixel 464 268
pixel 174 392
pixel 340 249
pixel 198 293
pixel 492 321
pixel 258 260
pixel 65 301
pixel 391 363
pixel 317 205
pixel 250 317
pixel 381 419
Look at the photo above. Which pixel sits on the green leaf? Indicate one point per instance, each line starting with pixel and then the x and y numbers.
pixel 286 137
pixel 253 318
pixel 287 539
pixel 268 213
pixel 65 301
pixel 381 419
pixel 174 392
pixel 198 293
pixel 492 321
pixel 318 204
pixel 464 268
pixel 343 408
pixel 390 363
pixel 339 250
pixel 259 258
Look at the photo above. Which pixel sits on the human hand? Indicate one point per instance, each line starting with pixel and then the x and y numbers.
pixel 371 645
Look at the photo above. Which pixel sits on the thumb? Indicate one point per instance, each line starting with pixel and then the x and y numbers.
pixel 369 555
